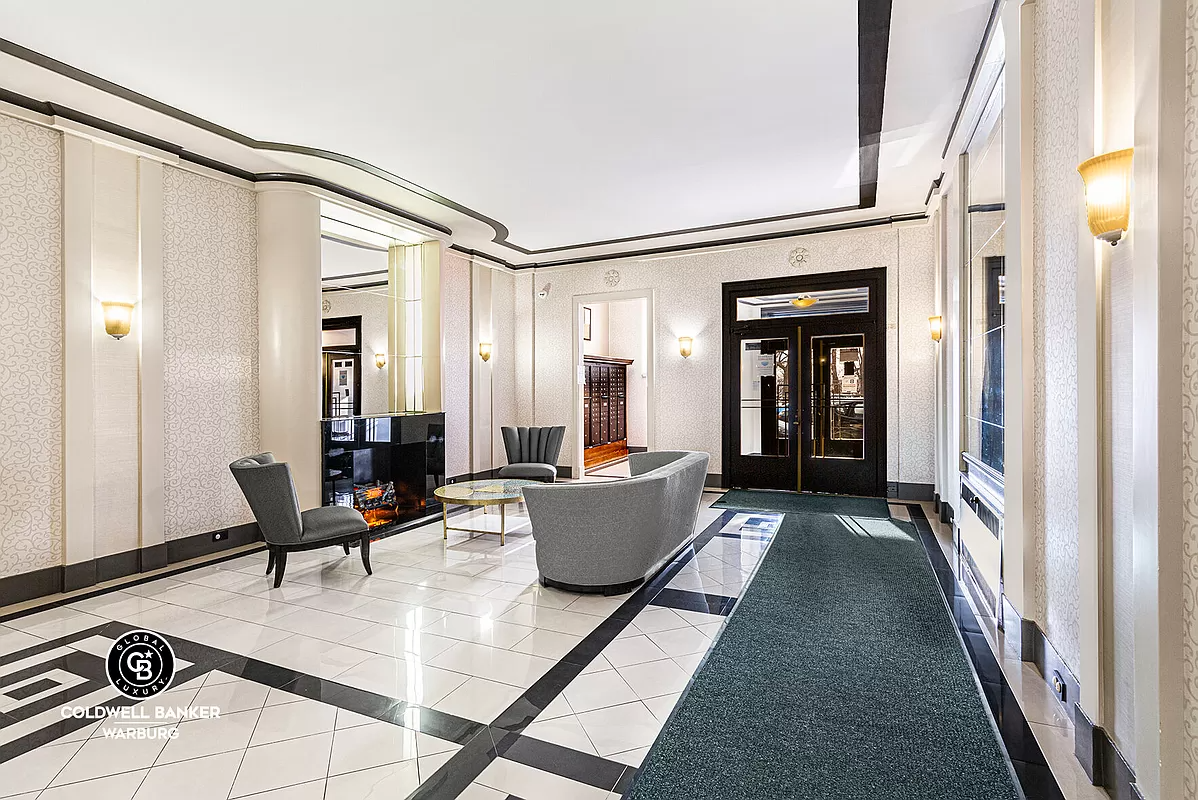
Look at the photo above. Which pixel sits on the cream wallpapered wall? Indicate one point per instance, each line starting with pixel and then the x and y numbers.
pixel 524 344
pixel 917 355
pixel 455 364
pixel 210 348
pixel 688 296
pixel 1055 208
pixel 502 364
pixel 1189 430
pixel 31 377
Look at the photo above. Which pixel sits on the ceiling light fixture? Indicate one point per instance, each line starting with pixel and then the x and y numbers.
pixel 804 301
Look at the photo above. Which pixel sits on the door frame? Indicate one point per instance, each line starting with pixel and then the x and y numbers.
pixel 575 432
pixel 353 323
pixel 874 279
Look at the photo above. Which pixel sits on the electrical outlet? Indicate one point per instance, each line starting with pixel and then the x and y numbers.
pixel 220 536
pixel 1058 686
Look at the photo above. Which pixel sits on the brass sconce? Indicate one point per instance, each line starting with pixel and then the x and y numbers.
pixel 118 318
pixel 484 351
pixel 380 360
pixel 1108 194
pixel 936 326
pixel 685 346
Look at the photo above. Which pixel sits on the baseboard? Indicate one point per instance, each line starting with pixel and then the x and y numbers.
pixel 946 513
pixel 72 577
pixel 1037 649
pixel 637 449
pixel 916 491
pixel 1102 762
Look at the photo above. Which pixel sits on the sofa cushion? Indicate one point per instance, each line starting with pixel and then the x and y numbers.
pixel 536 472
pixel 329 522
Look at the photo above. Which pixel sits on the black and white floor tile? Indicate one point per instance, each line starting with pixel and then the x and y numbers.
pixel 448 673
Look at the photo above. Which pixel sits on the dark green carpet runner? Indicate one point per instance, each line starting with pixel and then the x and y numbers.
pixel 839 676
pixel 756 500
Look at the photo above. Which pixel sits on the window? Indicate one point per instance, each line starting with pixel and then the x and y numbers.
pixel 984 288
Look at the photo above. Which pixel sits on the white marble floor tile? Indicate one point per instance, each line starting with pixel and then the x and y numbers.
pixel 655 619
pixel 632 758
pixel 660 707
pixel 193 595
pixel 313 790
pixel 552 619
pixel 681 642
pixel 428 765
pixel 479 699
pixel 558 707
pixel 566 731
pixel 529 783
pixel 233 696
pixel 320 624
pixel 291 720
pixel 114 605
pixel 55 622
pixel 616 729
pixel 395 613
pixel 313 656
pixel 411 681
pixel 380 783
pixel 272 766
pixel 476 791
pixel 547 644
pixel 597 604
pixel 111 787
pixel 492 663
pixel 534 596
pixel 598 690
pixel 399 642
pixel 175 620
pixel 373 745
pixel 480 630
pixel 252 608
pixel 34 770
pixel 12 640
pixel 632 650
pixel 205 737
pixel 655 678
pixel 208 778
pixel 237 636
pixel 331 600
pixel 101 756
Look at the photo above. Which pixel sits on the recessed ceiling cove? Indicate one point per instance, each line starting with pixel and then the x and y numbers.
pixel 541 127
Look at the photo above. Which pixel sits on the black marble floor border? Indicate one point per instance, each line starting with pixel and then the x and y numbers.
pixel 1027 759
pixel 481 744
pixel 507 739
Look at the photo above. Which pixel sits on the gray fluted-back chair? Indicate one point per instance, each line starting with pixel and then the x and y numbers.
pixel 532 452
pixel 268 488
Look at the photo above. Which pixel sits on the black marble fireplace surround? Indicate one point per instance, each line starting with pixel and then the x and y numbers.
pixel 407 450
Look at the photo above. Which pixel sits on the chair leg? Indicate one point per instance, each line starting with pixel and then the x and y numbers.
pixel 270 559
pixel 365 548
pixel 345 546
pixel 280 567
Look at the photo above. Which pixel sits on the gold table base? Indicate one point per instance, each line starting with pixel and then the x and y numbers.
pixel 502 521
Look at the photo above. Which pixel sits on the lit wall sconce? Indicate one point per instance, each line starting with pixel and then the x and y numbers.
pixel 936 326
pixel 118 318
pixel 685 346
pixel 1108 194
pixel 484 351
pixel 380 360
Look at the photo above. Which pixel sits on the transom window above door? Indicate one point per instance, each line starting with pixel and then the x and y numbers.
pixel 854 300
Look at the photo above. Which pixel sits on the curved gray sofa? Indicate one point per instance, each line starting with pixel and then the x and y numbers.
pixel 608 537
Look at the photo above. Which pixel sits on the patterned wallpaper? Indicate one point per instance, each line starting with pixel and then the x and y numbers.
pixel 455 364
pixel 1190 409
pixel 1056 36
pixel 503 362
pixel 210 348
pixel 917 355
pixel 31 376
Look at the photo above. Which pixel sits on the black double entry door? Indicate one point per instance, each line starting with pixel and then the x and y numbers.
pixel 805 384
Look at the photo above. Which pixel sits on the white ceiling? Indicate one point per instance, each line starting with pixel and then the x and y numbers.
pixel 566 123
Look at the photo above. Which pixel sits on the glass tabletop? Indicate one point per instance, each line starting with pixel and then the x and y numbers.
pixel 485 492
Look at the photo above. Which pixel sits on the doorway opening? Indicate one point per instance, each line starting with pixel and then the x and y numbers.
pixel 805 383
pixel 615 376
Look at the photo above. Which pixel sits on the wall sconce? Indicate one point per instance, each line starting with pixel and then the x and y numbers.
pixel 484 351
pixel 1108 194
pixel 936 326
pixel 685 346
pixel 118 317
pixel 380 360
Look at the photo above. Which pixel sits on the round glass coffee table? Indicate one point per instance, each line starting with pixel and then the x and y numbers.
pixel 493 492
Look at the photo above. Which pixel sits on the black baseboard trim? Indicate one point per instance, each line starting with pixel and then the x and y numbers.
pixel 1102 762
pixel 30 585
pixel 1035 648
pixel 946 513
pixel 201 544
pixel 637 449
pixel 936 502
pixel 915 491
pixel 715 480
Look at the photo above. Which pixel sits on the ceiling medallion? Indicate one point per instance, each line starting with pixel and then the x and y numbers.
pixel 326 306
pixel 798 257
pixel 611 277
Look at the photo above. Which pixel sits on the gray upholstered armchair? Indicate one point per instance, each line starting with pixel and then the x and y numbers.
pixel 532 452
pixel 268 488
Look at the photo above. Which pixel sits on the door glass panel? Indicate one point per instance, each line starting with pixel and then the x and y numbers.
pixel 803 304
pixel 838 396
pixel 765 414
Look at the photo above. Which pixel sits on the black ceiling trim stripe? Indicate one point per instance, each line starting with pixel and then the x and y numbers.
pixel 682 248
pixel 873 52
pixel 372 248
pixel 873 27
pixel 973 74
pixel 933 188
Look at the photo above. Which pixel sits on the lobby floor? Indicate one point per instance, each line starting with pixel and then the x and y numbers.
pixel 448 673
